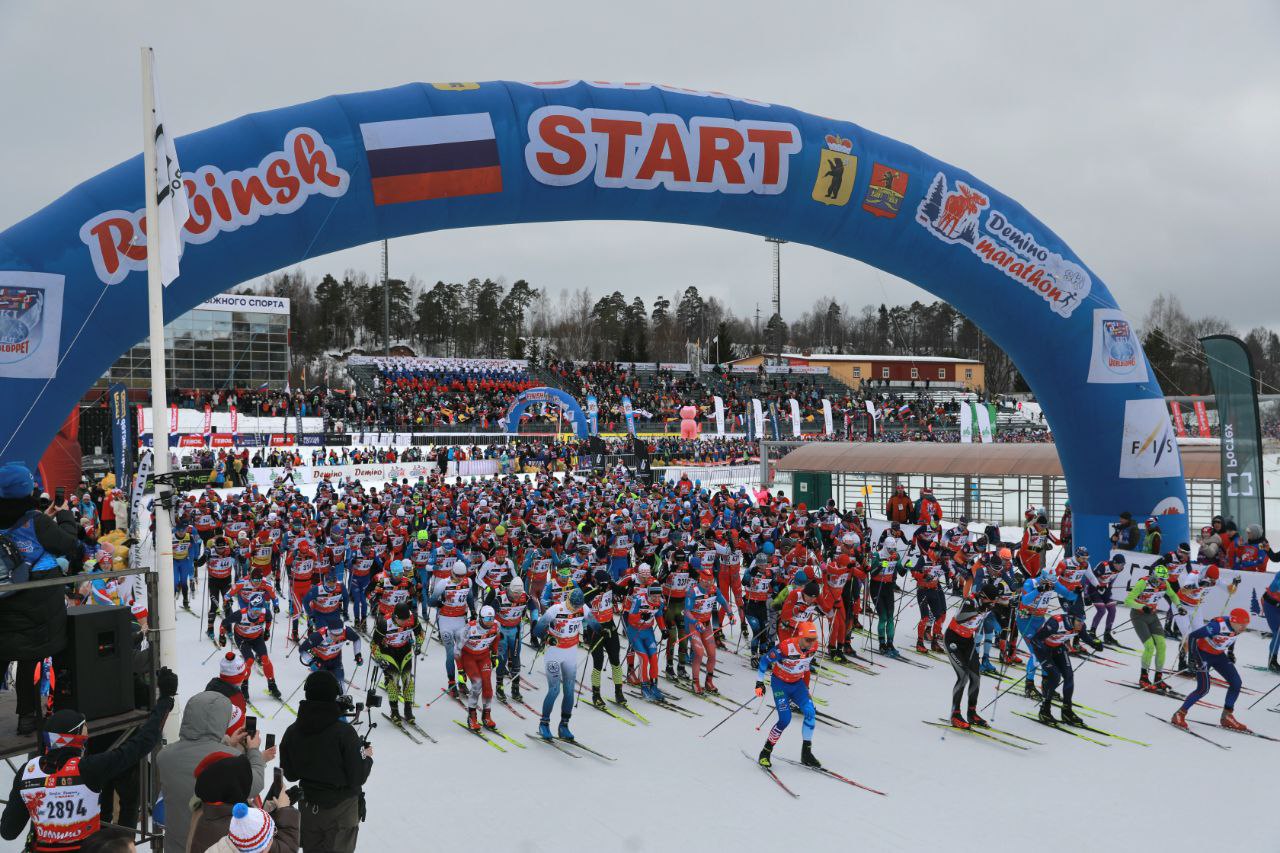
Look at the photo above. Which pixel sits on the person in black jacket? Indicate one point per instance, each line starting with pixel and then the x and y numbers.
pixel 63 822
pixel 325 753
pixel 33 622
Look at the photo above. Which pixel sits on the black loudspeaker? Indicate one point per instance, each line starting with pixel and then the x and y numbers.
pixel 95 670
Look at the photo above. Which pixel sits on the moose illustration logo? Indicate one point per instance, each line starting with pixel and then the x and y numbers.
pixel 836 170
pixel 956 216
pixel 953 215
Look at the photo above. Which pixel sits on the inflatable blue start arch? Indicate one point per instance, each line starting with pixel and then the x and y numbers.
pixel 271 189
pixel 550 396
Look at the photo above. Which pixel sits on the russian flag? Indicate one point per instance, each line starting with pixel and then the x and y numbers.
pixel 418 159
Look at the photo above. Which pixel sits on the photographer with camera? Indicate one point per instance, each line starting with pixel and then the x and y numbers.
pixel 325 753
pixel 223 820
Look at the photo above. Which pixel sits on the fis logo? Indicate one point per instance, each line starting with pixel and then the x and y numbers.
pixel 1149 449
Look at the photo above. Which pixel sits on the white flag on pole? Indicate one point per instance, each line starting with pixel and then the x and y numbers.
pixel 828 426
pixel 795 417
pixel 171 195
pixel 719 401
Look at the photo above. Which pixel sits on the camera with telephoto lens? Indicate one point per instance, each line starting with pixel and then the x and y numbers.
pixel 347 705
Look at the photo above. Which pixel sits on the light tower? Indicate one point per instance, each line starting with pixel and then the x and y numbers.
pixel 777 292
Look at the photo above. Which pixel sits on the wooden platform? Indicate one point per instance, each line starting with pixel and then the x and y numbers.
pixel 11 744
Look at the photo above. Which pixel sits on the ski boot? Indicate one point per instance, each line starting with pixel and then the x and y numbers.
pixel 209 633
pixel 1229 721
pixel 473 722
pixel 682 674
pixel 1143 681
pixel 619 698
pixel 1160 685
pixel 244 689
pixel 395 713
pixel 891 650
pixel 1070 717
pixel 755 661
pixel 273 690
pixel 1109 639
pixel 486 719
pixel 563 733
pixel 709 687
pixel 765 759
pixel 1179 719
pixel 935 646
pixel 921 647
pixel 597 699
pixel 544 729
pixel 501 694
pixel 976 721
pixel 988 668
pixel 807 757
pixel 1030 690
pixel 957 721
pixel 650 691
pixel 408 712
pixel 1273 665
pixel 837 655
pixel 1046 713
pixel 669 672
pixel 453 689
pixel 719 639
pixel 515 689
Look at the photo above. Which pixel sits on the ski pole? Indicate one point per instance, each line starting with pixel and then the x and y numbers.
pixel 355 672
pixel 731 713
pixel 586 660
pixel 436 698
pixel 1265 695
pixel 287 698
pixel 766 718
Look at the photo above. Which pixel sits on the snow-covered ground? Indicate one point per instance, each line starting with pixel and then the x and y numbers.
pixel 673 788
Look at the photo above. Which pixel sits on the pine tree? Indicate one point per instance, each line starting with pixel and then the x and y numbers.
pixel 932 207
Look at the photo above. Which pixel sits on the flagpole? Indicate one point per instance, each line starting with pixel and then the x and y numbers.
pixel 164 607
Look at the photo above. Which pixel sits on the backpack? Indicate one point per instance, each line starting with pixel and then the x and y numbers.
pixel 14 568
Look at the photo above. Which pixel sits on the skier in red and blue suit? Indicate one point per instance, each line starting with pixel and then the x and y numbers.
pixel 790 661
pixel 1208 648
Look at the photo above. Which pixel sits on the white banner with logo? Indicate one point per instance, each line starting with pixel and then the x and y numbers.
pixel 984 422
pixel 303 474
pixel 966 423
pixel 827 424
pixel 719 415
pixel 795 417
pixel 757 417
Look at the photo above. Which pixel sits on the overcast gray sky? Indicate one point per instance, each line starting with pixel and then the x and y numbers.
pixel 1144 133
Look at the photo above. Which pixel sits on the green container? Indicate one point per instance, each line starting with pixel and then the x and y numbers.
pixel 813 490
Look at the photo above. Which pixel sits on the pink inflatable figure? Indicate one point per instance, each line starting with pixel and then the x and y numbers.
pixel 688 421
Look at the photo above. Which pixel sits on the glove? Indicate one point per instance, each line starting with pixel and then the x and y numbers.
pixel 222 641
pixel 359 659
pixel 275 606
pixel 1147 608
pixel 167 682
pixel 759 688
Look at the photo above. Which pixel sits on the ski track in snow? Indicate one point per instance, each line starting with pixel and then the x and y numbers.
pixel 945 790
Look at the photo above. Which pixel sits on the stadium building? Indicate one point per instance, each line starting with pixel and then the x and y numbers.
pixel 898 371
pixel 229 341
